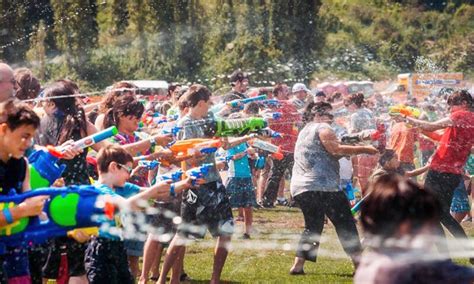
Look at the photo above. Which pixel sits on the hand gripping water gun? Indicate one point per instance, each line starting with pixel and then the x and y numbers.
pixel 191 146
pixel 376 137
pixel 67 209
pixel 44 169
pixel 404 110
pixel 151 165
pixel 242 102
pixel 194 173
pixel 266 146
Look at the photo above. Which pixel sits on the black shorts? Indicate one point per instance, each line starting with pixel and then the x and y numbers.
pixel 106 262
pixel 75 257
pixel 211 211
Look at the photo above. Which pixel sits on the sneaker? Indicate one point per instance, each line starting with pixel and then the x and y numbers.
pixel 184 277
pixel 245 236
pixel 268 205
pixel 282 202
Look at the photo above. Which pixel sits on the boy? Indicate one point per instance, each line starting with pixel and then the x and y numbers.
pixel 209 208
pixel 389 164
pixel 106 257
pixel 18 124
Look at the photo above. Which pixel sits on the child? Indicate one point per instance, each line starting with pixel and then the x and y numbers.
pixel 18 124
pixel 208 208
pixel 106 257
pixel 400 217
pixel 389 164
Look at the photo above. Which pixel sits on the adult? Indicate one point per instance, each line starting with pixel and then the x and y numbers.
pixel 286 125
pixel 402 141
pixel 319 96
pixel 361 119
pixel 239 81
pixel 7 82
pixel 455 145
pixel 315 185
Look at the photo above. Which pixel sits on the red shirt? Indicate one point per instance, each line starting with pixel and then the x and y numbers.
pixel 455 145
pixel 286 125
pixel 402 141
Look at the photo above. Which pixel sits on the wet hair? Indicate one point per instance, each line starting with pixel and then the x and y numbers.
pixel 312 109
pixel 127 105
pixel 386 156
pixel 357 99
pixel 74 116
pixel 112 153
pixel 197 93
pixel 118 89
pixel 460 96
pixel 16 114
pixel 27 85
pixel 394 200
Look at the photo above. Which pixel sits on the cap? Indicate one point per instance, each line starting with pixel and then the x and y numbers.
pixel 299 87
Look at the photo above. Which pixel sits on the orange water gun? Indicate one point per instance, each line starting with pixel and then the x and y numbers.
pixel 185 149
pixel 404 110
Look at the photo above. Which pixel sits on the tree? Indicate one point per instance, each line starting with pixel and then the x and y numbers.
pixel 36 55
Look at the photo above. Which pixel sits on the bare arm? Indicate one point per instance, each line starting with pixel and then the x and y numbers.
pixel 430 126
pixel 332 145
pixel 417 172
pixel 159 191
pixel 226 144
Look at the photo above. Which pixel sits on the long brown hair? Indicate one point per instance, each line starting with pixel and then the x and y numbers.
pixel 118 89
pixel 74 116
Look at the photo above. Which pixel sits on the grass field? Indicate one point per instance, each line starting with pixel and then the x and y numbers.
pixel 268 256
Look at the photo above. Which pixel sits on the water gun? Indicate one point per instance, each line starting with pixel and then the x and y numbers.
pixel 242 102
pixel 272 115
pixel 67 209
pixel 350 192
pixel 404 110
pixel 272 103
pixel 376 137
pixel 150 165
pixel 43 164
pixel 269 133
pixel 267 146
pixel 237 127
pixel 86 141
pixel 357 206
pixel 191 146
pixel 194 173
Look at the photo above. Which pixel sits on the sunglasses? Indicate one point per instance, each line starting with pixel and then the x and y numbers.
pixel 128 169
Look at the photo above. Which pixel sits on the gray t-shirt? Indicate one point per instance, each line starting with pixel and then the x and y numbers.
pixel 362 119
pixel 197 129
pixel 315 169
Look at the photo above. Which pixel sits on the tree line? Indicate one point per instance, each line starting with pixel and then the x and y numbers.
pixel 97 42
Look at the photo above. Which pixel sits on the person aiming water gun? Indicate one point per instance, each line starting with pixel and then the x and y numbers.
pixel 66 210
pixel 44 167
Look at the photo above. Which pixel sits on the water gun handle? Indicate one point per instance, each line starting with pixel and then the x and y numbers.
pixel 91 231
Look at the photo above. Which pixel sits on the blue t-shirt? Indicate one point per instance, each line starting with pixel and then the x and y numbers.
pixel 110 228
pixel 239 168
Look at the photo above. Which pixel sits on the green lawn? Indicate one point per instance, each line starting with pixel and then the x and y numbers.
pixel 268 256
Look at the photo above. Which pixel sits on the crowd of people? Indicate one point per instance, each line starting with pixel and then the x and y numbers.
pixel 413 171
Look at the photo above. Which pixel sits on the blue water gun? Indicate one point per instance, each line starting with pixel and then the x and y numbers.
pixel 150 165
pixel 242 102
pixel 67 209
pixel 43 164
pixel 194 173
